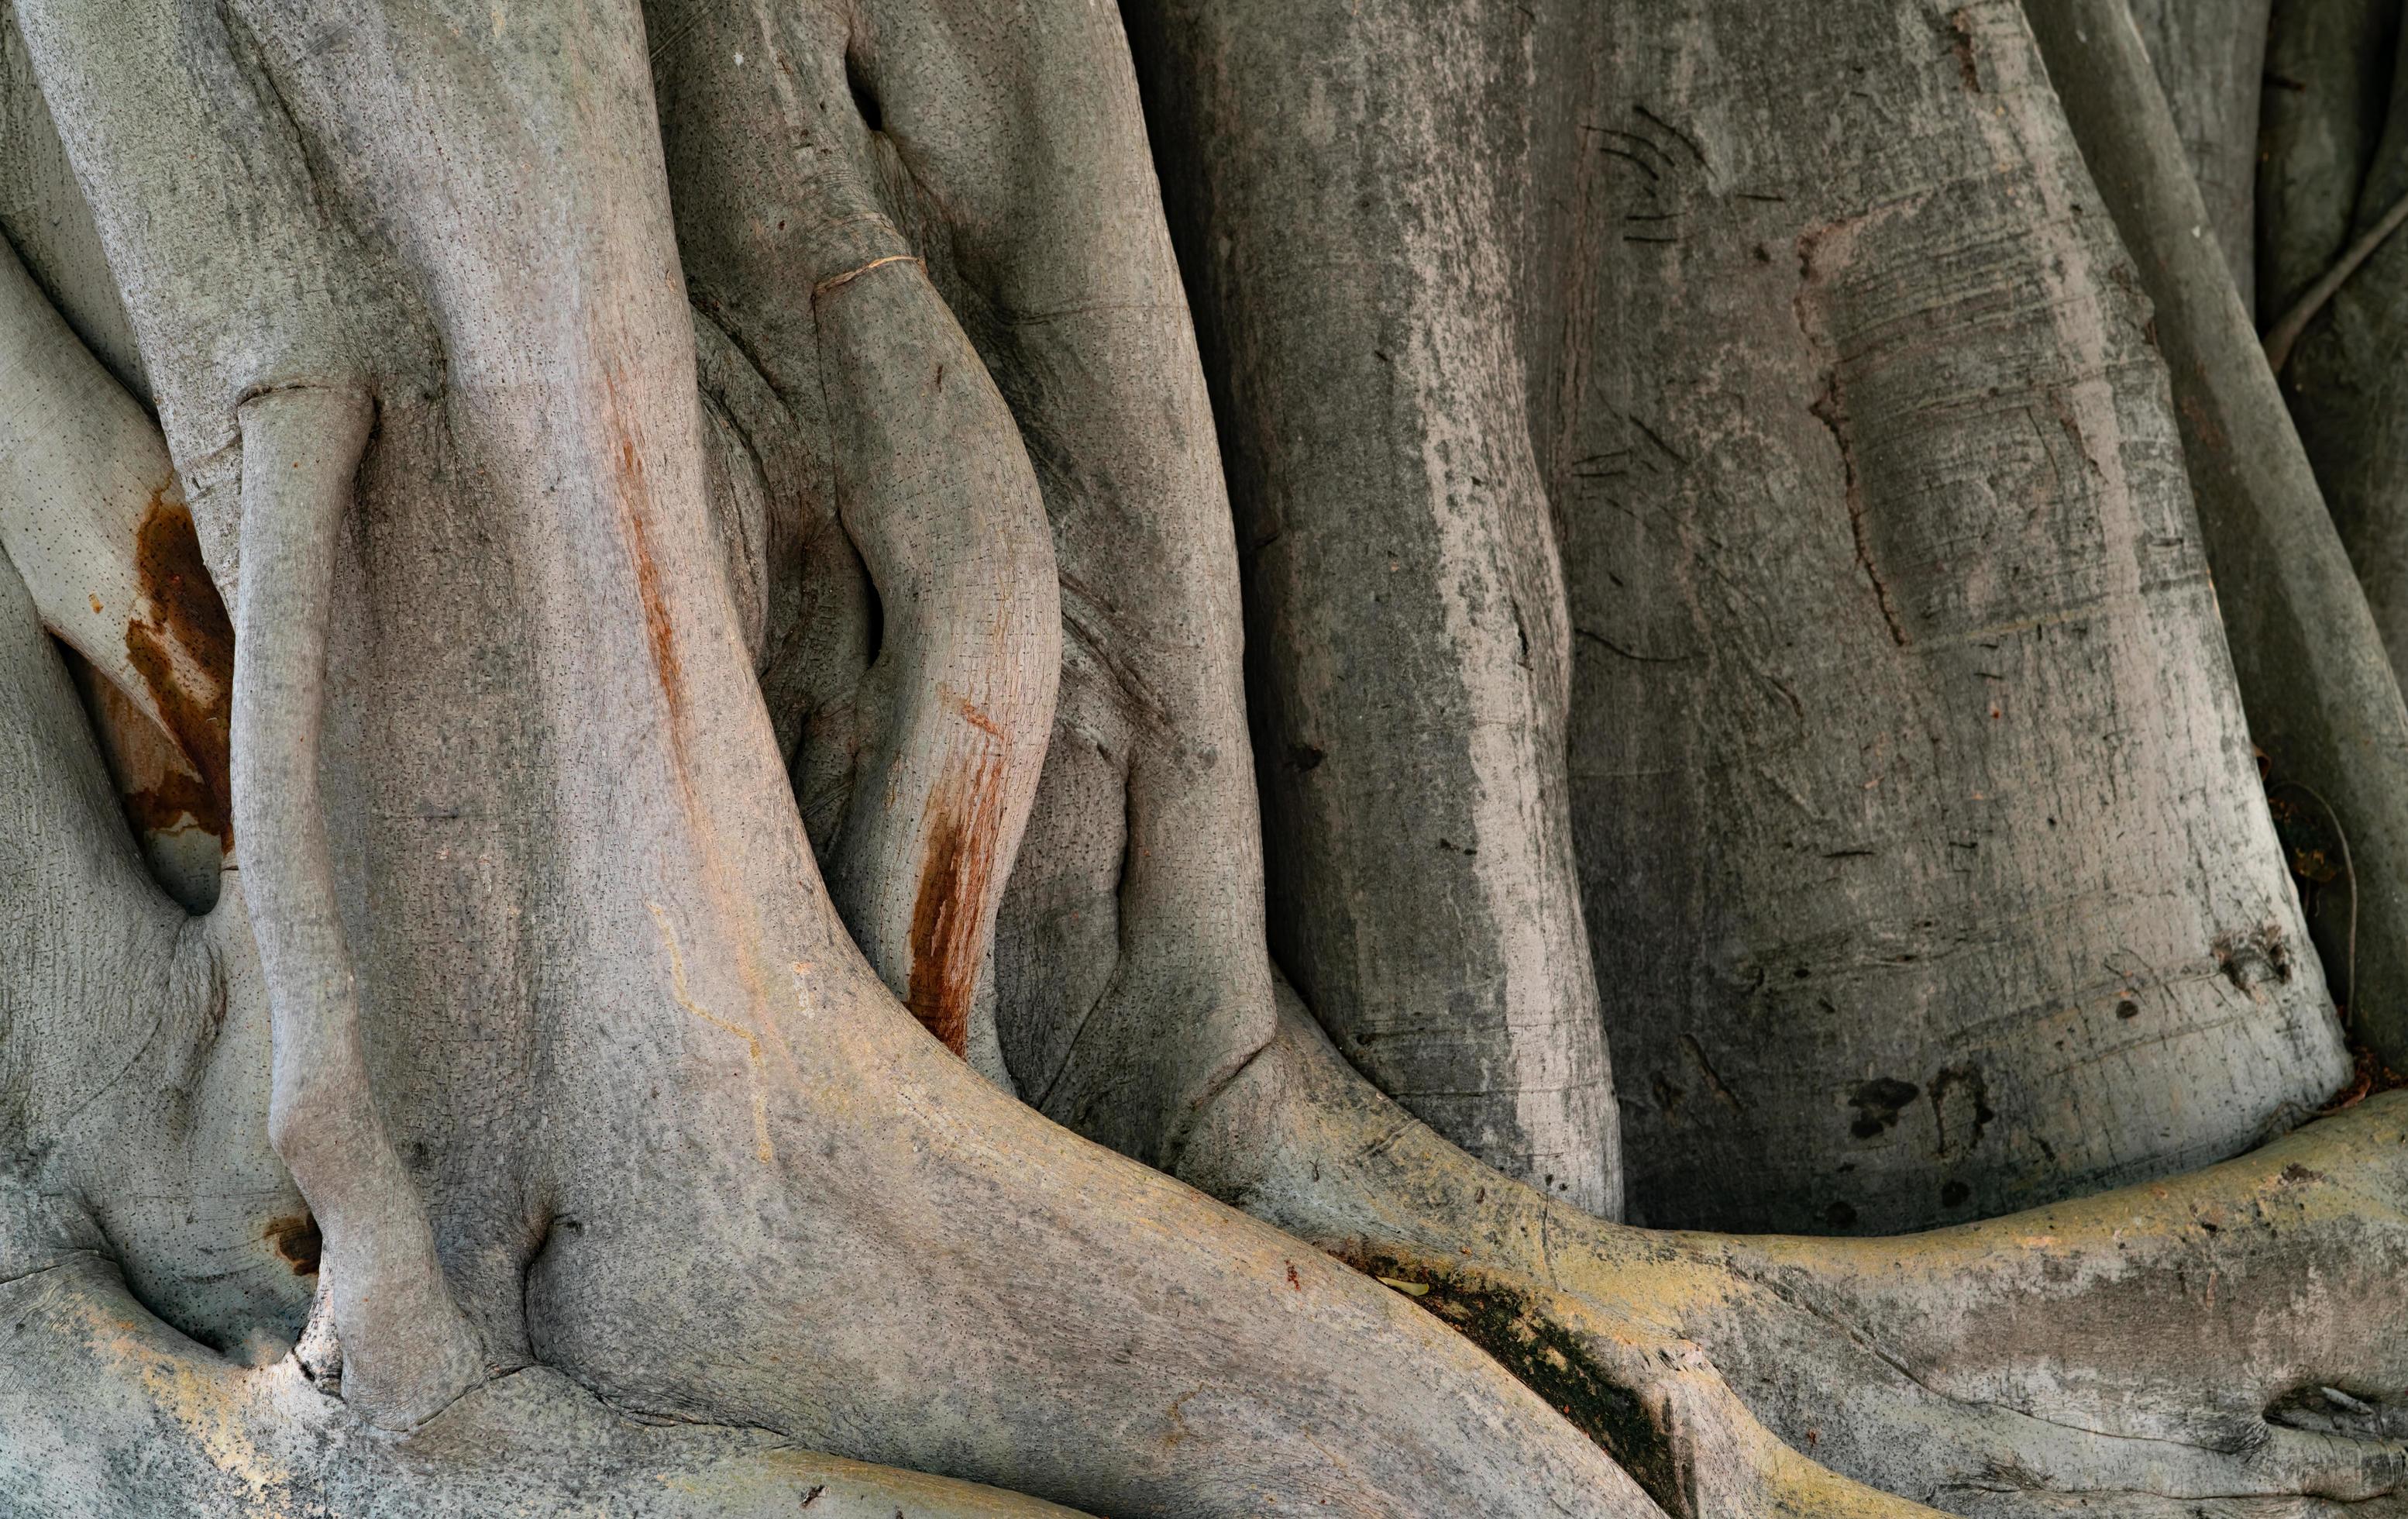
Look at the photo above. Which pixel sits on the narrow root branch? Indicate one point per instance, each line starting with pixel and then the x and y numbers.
pixel 936 492
pixel 407 1350
pixel 2285 334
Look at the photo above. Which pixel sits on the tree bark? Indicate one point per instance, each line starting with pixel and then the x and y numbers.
pixel 1903 699
pixel 699 829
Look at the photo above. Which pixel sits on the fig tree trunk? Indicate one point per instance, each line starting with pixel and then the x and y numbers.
pixel 914 756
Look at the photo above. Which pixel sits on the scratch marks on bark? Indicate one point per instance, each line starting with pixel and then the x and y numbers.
pixel 1831 412
pixel 762 1147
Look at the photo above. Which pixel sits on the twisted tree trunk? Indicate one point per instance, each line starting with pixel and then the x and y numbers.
pixel 710 814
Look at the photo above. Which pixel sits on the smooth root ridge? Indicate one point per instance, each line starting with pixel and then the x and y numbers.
pixel 408 1350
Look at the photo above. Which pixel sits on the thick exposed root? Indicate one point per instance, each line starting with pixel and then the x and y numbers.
pixel 108 1415
pixel 407 1350
pixel 2157 1340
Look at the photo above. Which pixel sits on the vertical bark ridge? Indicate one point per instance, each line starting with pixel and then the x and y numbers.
pixel 2321 695
pixel 2328 70
pixel 1131 978
pixel 939 497
pixel 1356 279
pixel 1929 635
pixel 2210 60
pixel 2342 379
pixel 408 1352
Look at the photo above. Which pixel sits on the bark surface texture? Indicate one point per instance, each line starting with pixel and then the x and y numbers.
pixel 916 757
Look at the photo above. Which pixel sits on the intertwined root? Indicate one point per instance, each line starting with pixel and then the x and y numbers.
pixel 2172 1339
pixel 108 1414
pixel 759 1194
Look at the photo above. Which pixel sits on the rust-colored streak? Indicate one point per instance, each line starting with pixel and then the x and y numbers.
pixel 949 916
pixel 648 579
pixel 183 650
pixel 297 1241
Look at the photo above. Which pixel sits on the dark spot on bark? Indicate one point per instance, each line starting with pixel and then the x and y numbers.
pixel 295 1240
pixel 1961 29
pixel 948 915
pixel 1293 1279
pixel 1840 1216
pixel 186 617
pixel 1878 1103
pixel 813 1496
pixel 1553 1363
pixel 1303 757
pixel 2249 958
pixel 2128 1008
pixel 1667 1097
pixel 864 100
pixel 2296 1174
pixel 1960 1102
pixel 1953 1194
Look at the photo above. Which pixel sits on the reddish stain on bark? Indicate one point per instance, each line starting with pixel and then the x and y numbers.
pixel 948 916
pixel 296 1240
pixel 185 616
pixel 648 579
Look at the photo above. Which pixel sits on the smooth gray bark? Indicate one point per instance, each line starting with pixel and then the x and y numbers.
pixel 2322 701
pixel 1355 244
pixel 1901 702
pixel 657 589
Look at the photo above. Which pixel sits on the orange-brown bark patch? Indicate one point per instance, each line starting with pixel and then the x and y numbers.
pixel 297 1241
pixel 950 914
pixel 648 579
pixel 183 650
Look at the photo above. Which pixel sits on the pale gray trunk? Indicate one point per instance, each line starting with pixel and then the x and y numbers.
pixel 2322 701
pixel 1902 703
pixel 1356 249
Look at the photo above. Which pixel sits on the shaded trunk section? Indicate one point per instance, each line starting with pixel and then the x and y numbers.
pixel 1348 189
pixel 1916 815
